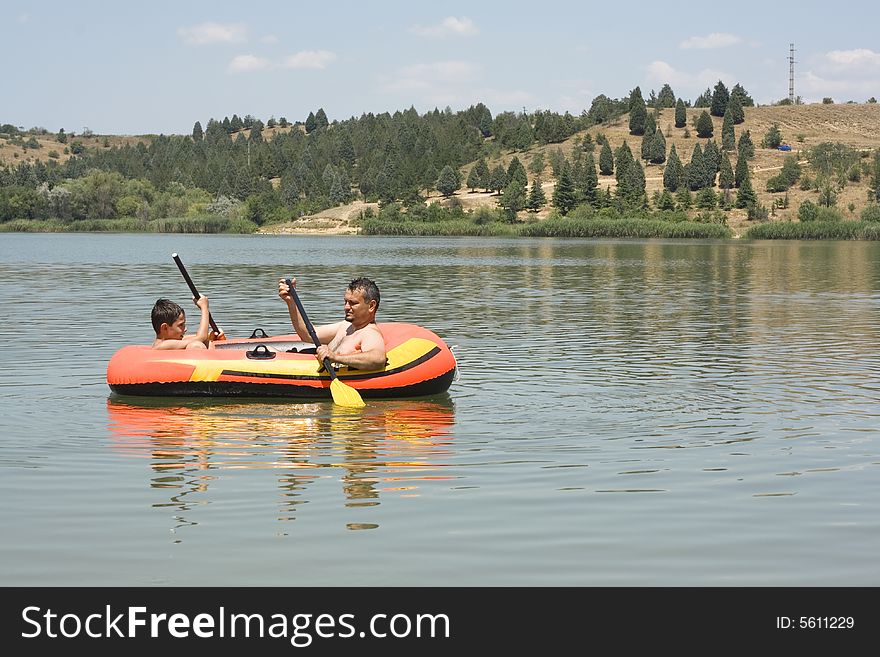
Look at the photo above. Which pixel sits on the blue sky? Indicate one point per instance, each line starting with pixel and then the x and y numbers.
pixel 157 67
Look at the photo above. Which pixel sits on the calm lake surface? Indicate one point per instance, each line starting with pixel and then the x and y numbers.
pixel 646 412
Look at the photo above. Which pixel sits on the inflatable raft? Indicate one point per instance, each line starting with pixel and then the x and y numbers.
pixel 418 364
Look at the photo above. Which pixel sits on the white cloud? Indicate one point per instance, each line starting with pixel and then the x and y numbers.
pixel 433 76
pixel 714 40
pixel 245 63
pixel 450 26
pixel 207 33
pixel 841 74
pixel 310 59
pixel 860 58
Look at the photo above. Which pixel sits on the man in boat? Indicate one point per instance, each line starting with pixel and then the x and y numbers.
pixel 356 341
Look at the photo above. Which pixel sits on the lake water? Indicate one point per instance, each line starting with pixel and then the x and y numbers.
pixel 644 412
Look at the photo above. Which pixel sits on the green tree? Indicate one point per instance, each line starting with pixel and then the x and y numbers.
pixel 742 96
pixel 623 158
pixel 773 137
pixel 588 181
pixel 516 171
pixel 650 129
pixel 657 148
pixel 564 197
pixel 665 201
pixel 705 127
pixel 742 170
pixel 666 97
pixel 726 179
pixel 482 170
pixel 696 170
pixel 537 198
pixel 497 179
pixel 638 113
pixel 827 196
pixel 745 147
pixel 706 199
pixel 674 172
pixel 736 110
pixel 473 179
pixel 513 198
pixel 680 114
pixel 745 195
pixel 197 133
pixel 448 181
pixel 728 135
pixel 321 119
pixel 606 160
pixel 311 124
pixel 720 99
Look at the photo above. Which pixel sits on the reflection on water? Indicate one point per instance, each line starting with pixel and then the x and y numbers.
pixel 386 447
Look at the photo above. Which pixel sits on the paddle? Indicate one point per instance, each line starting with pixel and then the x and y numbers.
pixel 343 394
pixel 192 287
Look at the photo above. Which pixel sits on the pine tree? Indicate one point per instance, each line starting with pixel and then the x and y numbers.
pixel 745 195
pixel 197 133
pixel 874 191
pixel 564 198
pixel 590 180
pixel 680 114
pixel 606 160
pixel 447 182
pixel 705 127
pixel 650 130
pixel 537 198
pixel 726 179
pixel 482 170
pixel 711 161
pixel 338 193
pixel 728 136
pixel 310 123
pixel 321 119
pixel 674 172
pixel 516 171
pixel 745 147
pixel 736 110
pixel 497 179
pixel 742 170
pixel 638 113
pixel 657 150
pixel 666 97
pixel 720 99
pixel 742 96
pixel 624 158
pixel 473 179
pixel 513 199
pixel 696 172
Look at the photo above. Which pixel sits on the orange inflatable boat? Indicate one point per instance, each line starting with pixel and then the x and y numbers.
pixel 419 363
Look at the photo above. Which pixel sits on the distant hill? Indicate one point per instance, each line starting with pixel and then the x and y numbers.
pixel 801 126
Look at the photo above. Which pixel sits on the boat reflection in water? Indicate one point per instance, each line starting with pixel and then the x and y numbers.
pixel 387 447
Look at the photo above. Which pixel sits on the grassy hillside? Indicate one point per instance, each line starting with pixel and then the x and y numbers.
pixel 802 127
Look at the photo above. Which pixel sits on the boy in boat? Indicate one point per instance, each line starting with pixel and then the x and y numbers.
pixel 169 322
pixel 356 341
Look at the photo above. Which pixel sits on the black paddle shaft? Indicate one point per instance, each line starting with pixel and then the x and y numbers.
pixel 192 288
pixel 309 327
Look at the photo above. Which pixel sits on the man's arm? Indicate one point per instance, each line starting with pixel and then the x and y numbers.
pixel 325 333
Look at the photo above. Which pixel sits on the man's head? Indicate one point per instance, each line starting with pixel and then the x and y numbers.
pixel 361 302
pixel 168 314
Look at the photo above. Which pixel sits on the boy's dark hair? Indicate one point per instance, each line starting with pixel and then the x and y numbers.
pixel 368 287
pixel 165 311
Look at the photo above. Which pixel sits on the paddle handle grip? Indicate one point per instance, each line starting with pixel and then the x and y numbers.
pixel 192 287
pixel 309 327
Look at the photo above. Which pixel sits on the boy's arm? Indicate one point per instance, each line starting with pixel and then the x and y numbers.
pixel 204 324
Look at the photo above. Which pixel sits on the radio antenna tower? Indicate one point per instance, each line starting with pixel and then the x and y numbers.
pixel 791 73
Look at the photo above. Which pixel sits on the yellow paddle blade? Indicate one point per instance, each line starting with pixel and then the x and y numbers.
pixel 345 395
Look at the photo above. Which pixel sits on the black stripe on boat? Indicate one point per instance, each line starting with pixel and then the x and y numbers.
pixel 255 389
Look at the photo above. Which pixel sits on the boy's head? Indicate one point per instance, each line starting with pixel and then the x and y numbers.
pixel 169 313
